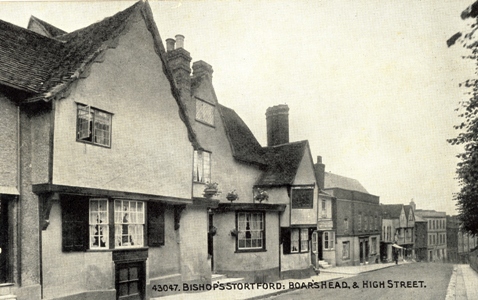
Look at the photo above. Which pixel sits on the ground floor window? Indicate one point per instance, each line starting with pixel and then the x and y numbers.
pixel 250 227
pixel 104 223
pixel 299 240
pixel 328 240
pixel 346 250
pixel 295 240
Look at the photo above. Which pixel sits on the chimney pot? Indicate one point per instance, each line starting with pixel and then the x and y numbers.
pixel 179 41
pixel 319 159
pixel 170 44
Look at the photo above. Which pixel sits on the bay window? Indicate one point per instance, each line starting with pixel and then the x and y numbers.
pixel 250 228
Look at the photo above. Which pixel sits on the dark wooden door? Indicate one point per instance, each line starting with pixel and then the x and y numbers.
pixel 130 281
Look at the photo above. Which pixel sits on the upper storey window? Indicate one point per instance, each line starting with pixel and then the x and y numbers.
pixel 204 112
pixel 93 126
pixel 302 197
pixel 202 166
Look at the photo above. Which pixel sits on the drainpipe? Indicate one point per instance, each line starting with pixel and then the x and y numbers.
pixel 19 211
pixel 280 242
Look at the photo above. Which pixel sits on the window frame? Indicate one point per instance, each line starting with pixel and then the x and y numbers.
pixel 262 232
pixel 93 112
pixel 92 225
pixel 200 118
pixel 137 223
pixel 198 158
pixel 328 237
pixel 345 246
pixel 299 203
pixel 78 225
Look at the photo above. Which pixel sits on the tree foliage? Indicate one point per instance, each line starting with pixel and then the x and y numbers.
pixel 467 168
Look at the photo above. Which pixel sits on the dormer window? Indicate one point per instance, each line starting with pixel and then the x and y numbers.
pixel 93 126
pixel 204 112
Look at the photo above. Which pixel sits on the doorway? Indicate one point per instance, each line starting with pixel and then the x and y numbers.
pixel 210 239
pixel 130 281
pixel 315 249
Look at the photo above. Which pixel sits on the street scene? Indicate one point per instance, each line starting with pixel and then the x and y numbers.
pixel 289 150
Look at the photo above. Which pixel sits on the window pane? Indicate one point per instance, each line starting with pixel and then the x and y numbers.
pixel 207 166
pixel 129 223
pixel 250 234
pixel 102 128
pixel 302 198
pixel 204 112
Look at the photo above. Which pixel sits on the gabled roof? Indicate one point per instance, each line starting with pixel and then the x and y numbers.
pixel 391 211
pixel 283 163
pixel 42 65
pixel 46 66
pixel 407 209
pixel 48 29
pixel 336 181
pixel 243 144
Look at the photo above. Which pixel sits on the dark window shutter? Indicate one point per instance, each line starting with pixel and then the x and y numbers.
pixel 74 216
pixel 285 236
pixel 155 224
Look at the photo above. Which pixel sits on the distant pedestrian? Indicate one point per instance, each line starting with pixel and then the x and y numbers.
pixel 395 257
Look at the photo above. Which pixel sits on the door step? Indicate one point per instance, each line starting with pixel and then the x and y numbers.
pixel 8 297
pixel 221 278
pixel 324 265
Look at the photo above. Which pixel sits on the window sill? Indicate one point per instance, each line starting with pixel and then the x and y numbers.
pixel 118 249
pixel 250 250
pixel 207 124
pixel 93 144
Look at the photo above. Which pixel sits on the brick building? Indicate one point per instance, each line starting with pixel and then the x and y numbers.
pixel 398 229
pixel 357 221
pixel 436 238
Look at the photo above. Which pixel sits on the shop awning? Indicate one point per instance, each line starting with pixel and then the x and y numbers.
pixel 397 246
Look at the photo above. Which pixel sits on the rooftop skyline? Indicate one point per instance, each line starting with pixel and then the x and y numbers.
pixel 371 85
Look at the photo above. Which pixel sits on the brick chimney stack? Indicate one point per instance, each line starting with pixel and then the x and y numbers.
pixel 179 61
pixel 319 168
pixel 201 68
pixel 277 118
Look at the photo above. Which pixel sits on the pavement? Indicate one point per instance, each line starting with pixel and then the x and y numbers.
pixel 463 283
pixel 281 286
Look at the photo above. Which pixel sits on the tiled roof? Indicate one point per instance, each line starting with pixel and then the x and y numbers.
pixel 336 181
pixel 27 59
pixel 283 163
pixel 419 219
pixel 51 30
pixel 45 66
pixel 41 65
pixel 244 145
pixel 391 211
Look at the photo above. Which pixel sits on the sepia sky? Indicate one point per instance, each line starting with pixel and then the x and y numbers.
pixel 371 84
